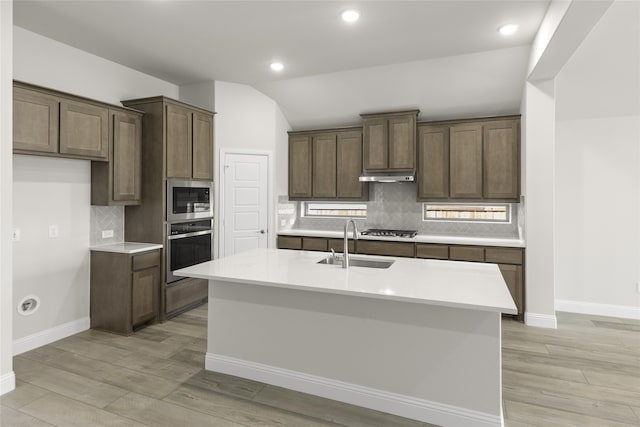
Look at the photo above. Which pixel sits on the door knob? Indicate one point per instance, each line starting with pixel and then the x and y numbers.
pixel 262 231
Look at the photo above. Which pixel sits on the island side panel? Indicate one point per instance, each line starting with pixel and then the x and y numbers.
pixel 446 356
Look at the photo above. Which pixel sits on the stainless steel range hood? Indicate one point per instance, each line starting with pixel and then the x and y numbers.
pixel 400 176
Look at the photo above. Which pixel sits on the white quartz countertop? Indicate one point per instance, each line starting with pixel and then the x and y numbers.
pixel 127 247
pixel 420 238
pixel 456 284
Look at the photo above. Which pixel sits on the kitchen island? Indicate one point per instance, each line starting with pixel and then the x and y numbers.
pixel 420 339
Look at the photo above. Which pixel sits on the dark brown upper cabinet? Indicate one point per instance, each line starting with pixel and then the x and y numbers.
pixel 179 142
pixel 349 166
pixel 118 182
pixel 501 154
pixel 326 165
pixel 389 141
pixel 469 160
pixel 52 123
pixel 202 146
pixel 186 132
pixel 465 156
pixel 35 121
pixel 300 155
pixel 433 162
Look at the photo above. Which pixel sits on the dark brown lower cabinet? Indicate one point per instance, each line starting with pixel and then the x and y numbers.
pixel 338 245
pixel 513 277
pixel 289 242
pixel 379 247
pixel 185 294
pixel 124 290
pixel 314 244
pixel 429 251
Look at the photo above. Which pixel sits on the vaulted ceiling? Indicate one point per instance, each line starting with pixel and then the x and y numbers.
pixel 444 57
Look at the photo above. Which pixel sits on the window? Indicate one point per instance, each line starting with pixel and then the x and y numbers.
pixel 456 212
pixel 326 209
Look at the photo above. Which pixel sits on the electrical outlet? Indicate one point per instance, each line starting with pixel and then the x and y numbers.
pixel 107 233
pixel 54 231
pixel 16 235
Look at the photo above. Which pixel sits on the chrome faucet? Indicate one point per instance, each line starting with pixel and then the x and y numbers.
pixel 345 257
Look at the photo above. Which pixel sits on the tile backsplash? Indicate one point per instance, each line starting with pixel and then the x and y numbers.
pixel 394 206
pixel 106 218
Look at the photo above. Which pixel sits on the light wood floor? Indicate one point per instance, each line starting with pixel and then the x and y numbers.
pixel 585 373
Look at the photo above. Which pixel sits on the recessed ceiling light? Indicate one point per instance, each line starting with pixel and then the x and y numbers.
pixel 277 66
pixel 507 30
pixel 350 15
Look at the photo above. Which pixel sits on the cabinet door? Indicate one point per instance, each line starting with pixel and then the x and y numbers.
pixel 349 166
pixel 501 160
pixel 324 166
pixel 433 162
pixel 126 163
pixel 402 142
pixel 300 166
pixel 289 242
pixel 144 294
pixel 202 146
pixel 84 130
pixel 179 142
pixel 35 121
pixel 378 247
pixel 375 144
pixel 466 161
pixel 512 275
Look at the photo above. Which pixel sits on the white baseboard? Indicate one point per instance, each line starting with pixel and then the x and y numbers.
pixel 541 320
pixel 48 336
pixel 623 311
pixel 7 382
pixel 392 403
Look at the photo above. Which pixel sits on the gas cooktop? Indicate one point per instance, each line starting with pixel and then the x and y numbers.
pixel 378 232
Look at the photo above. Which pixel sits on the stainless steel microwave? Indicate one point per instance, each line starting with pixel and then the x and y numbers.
pixel 188 200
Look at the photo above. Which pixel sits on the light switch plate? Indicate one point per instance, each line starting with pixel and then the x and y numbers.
pixel 54 231
pixel 107 233
pixel 16 235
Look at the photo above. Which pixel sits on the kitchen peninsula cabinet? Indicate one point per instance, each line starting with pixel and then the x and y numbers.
pixel 118 182
pixel 389 141
pixel 326 165
pixel 51 123
pixel 124 289
pixel 471 160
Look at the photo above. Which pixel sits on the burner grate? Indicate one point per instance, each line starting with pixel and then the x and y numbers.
pixel 379 232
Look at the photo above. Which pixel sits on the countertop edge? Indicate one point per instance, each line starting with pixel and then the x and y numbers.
pixel 126 247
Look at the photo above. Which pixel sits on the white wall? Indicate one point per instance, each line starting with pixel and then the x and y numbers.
pixel 57 269
pixel 248 120
pixel 538 141
pixel 597 169
pixel 7 377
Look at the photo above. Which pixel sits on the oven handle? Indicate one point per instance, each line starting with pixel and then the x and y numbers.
pixel 195 233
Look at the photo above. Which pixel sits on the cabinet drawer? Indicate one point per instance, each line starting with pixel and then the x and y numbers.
pixel 504 255
pixel 289 242
pixel 432 251
pixel 314 244
pixel 146 260
pixel 186 292
pixel 466 253
pixel 372 247
pixel 338 245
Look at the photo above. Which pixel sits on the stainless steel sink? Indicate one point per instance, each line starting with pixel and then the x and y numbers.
pixel 358 262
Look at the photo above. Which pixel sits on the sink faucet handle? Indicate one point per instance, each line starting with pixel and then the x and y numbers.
pixel 333 254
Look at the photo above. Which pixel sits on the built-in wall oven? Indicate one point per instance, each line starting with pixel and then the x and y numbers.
pixel 187 200
pixel 188 243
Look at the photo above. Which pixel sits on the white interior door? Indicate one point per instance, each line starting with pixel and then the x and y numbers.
pixel 245 217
